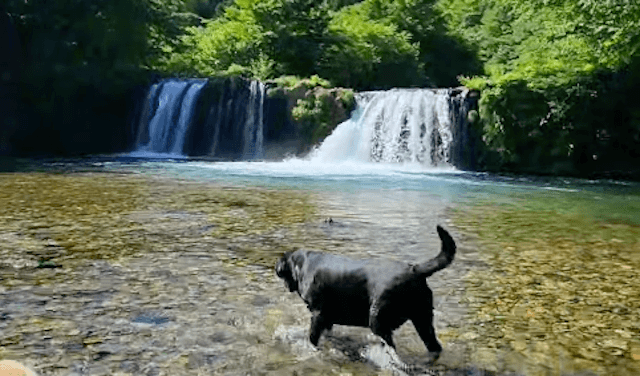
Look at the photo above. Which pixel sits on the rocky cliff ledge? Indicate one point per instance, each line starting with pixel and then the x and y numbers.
pixel 301 113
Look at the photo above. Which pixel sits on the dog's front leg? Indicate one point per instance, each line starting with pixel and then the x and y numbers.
pixel 318 324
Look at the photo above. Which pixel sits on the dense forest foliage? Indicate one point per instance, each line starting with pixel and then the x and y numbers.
pixel 557 77
pixel 559 81
pixel 78 65
pixel 363 45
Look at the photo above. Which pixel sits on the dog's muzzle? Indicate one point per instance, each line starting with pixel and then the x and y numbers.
pixel 280 268
pixel 284 272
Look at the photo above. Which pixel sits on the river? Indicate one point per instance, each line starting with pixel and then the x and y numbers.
pixel 121 265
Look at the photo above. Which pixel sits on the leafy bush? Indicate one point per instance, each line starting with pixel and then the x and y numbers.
pixel 83 64
pixel 314 106
pixel 231 40
pixel 372 44
pixel 294 82
pixel 321 110
pixel 294 32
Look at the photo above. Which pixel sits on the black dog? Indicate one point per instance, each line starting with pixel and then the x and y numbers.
pixel 381 295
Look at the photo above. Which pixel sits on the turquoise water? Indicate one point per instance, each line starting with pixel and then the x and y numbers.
pixel 601 199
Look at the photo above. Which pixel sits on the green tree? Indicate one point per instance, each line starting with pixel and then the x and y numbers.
pixel 232 41
pixel 295 32
pixel 370 44
pixel 549 68
pixel 613 27
pixel 82 61
pixel 367 53
pixel 165 21
pixel 441 57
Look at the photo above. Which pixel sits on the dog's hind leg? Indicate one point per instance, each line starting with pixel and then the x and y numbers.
pixel 319 324
pixel 424 325
pixel 386 336
pixel 382 331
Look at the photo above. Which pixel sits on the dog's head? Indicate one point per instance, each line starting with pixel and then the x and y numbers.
pixel 286 270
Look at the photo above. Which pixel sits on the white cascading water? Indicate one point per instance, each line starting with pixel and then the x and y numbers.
pixel 233 128
pixel 167 127
pixel 409 126
pixel 188 105
pixel 391 135
pixel 254 124
pixel 399 127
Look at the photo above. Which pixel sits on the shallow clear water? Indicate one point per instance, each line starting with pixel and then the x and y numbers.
pixel 378 211
pixel 605 199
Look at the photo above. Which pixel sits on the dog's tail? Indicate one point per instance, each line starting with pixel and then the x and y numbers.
pixel 442 260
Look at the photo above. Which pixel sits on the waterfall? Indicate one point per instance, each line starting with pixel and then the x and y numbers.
pixel 400 126
pixel 253 128
pixel 216 118
pixel 233 121
pixel 167 115
pixel 224 119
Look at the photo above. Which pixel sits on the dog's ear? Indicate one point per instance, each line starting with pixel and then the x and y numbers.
pixel 296 261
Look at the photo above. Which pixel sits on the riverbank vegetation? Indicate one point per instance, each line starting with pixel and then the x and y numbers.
pixel 558 81
pixel 557 78
pixel 361 45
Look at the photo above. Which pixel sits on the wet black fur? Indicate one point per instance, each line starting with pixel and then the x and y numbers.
pixel 378 294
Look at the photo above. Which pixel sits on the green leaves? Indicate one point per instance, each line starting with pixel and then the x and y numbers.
pixel 370 44
pixel 295 32
pixel 613 26
pixel 547 64
pixel 546 43
pixel 369 53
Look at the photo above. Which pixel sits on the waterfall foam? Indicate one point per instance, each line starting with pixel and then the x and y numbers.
pixel 406 126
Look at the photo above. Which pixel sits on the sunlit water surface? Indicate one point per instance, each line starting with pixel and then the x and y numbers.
pixel 385 211
pixel 373 187
pixel 390 211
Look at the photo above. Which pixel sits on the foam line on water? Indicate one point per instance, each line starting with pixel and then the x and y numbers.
pixel 143 154
pixel 401 176
pixel 305 168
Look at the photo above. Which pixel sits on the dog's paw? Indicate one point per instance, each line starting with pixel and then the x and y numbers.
pixel 432 357
pixel 434 347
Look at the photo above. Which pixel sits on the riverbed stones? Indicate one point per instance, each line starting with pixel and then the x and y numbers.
pixel 177 300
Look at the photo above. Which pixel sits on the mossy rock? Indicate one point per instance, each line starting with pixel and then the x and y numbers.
pixel 312 105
